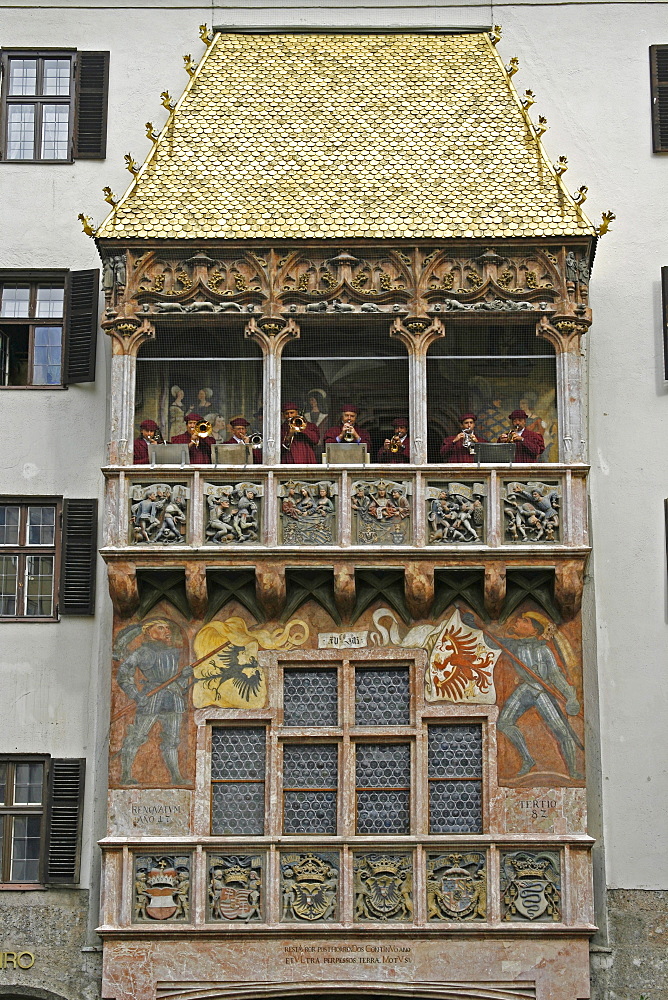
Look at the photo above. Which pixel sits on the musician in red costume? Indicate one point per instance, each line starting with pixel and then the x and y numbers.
pixel 149 434
pixel 199 448
pixel 346 431
pixel 461 447
pixel 529 445
pixel 297 446
pixel 401 439
pixel 240 427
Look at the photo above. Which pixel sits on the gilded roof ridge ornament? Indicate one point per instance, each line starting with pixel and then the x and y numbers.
pixel 495 34
pixel 606 219
pixel 167 101
pixel 205 34
pixel 561 166
pixel 528 100
pixel 580 196
pixel 151 132
pixel 541 127
pixel 188 64
pixel 109 196
pixel 87 224
pixel 131 164
pixel 513 66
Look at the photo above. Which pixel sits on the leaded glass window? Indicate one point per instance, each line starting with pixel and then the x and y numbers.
pixel 310 781
pixel 382 696
pixel 383 779
pixel 238 776
pixel 455 778
pixel 310 697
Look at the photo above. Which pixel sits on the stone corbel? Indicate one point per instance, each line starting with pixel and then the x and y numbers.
pixel 417 333
pixel 419 589
pixel 127 333
pixel 123 588
pixel 196 589
pixel 272 333
pixel 345 594
pixel 495 588
pixel 270 589
pixel 568 586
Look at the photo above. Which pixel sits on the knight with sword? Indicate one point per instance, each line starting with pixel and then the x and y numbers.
pixel 543 686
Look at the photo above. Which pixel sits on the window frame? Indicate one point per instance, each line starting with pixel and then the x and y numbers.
pixel 22 550
pixel 11 810
pixel 346 735
pixel 35 278
pixel 39 100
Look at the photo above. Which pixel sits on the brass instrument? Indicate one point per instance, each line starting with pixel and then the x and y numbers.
pixel 295 426
pixel 468 443
pixel 395 444
pixel 204 429
pixel 255 439
pixel 348 435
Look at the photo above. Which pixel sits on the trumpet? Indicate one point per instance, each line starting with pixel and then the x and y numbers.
pixel 204 429
pixel 255 439
pixel 295 426
pixel 468 443
pixel 395 444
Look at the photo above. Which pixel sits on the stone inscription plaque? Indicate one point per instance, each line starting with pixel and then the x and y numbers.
pixel 348 954
pixel 150 812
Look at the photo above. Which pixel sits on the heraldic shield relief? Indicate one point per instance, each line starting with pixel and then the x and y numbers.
pixel 531 886
pixel 162 888
pixel 309 886
pixel 235 887
pixel 456 886
pixel 383 887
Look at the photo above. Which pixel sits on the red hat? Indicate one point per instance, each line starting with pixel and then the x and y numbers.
pixel 239 422
pixel 467 416
pixel 400 422
pixel 518 413
pixel 193 416
pixel 148 425
pixel 350 408
pixel 290 405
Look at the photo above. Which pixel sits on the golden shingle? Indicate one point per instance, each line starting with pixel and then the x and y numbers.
pixel 298 135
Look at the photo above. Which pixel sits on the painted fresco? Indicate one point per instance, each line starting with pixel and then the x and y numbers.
pixel 528 666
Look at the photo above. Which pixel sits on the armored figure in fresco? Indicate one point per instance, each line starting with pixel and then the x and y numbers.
pixel 152 678
pixel 543 686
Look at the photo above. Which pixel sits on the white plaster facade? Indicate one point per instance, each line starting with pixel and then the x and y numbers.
pixel 588 64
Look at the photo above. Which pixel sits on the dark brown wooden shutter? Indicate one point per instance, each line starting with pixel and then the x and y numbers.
pixel 64 816
pixel 90 117
pixel 664 297
pixel 78 558
pixel 82 299
pixel 658 59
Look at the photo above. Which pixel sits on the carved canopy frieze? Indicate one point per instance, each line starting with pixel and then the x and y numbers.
pixel 415 281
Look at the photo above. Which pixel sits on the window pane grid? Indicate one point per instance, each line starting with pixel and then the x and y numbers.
pixel 26 836
pixel 237 773
pixel 22 77
pixel 383 778
pixel 310 697
pixel 8 585
pixel 310 780
pixel 9 524
pixel 55 131
pixel 21 131
pixel 28 783
pixel 455 778
pixel 39 586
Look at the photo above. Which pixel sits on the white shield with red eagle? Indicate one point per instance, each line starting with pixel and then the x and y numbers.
pixel 461 664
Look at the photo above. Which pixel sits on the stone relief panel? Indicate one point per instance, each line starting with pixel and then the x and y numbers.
pixel 161 888
pixel 309 886
pixel 307 513
pixel 159 514
pixel 383 886
pixel 456 885
pixel 456 512
pixel 381 512
pixel 532 512
pixel 236 887
pixel 531 885
pixel 234 513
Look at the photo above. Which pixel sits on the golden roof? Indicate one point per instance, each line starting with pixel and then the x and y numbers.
pixel 343 135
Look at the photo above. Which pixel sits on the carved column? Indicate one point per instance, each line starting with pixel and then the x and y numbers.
pixel 272 335
pixel 417 334
pixel 128 334
pixel 564 334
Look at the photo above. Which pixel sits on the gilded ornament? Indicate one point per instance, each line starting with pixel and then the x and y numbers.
pixel 561 166
pixel 474 279
pixel 505 279
pixel 86 224
pixel 151 133
pixel 131 164
pixel 531 279
pixel 495 34
pixel 205 34
pixel 383 886
pixel 188 64
pixel 580 195
pixel 214 280
pixel 541 128
pixel 309 886
pixel 184 278
pixel 166 101
pixel 606 219
pixel 513 66
pixel 528 100
pixel 109 196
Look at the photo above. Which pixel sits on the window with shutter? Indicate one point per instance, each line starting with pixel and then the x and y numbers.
pixel 82 298
pixel 658 58
pixel 79 553
pixel 63 833
pixel 54 105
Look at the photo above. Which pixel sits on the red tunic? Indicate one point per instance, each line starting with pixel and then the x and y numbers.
pixel 454 451
pixel 141 451
pixel 200 453
pixel 300 451
pixel 257 452
pixel 396 457
pixel 530 448
pixel 332 435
